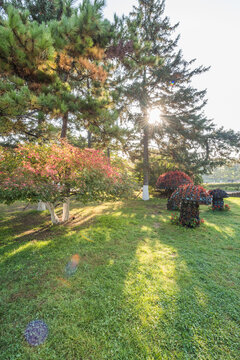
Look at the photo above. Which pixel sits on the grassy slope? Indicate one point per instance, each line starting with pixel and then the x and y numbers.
pixel 144 289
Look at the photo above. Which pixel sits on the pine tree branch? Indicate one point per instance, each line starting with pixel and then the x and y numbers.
pixel 19 40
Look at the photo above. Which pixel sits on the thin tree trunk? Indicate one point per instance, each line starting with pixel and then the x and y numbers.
pixel 64 126
pixel 89 138
pixel 40 127
pixel 145 195
pixel 89 133
pixel 54 217
pixel 108 154
pixel 66 209
pixel 41 206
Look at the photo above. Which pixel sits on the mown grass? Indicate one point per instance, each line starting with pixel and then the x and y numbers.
pixel 144 289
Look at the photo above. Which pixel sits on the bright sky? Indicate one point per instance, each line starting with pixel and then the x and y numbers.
pixel 210 31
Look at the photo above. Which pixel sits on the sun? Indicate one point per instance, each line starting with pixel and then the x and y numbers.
pixel 154 116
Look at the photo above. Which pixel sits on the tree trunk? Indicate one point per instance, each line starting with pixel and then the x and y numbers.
pixel 89 139
pixel 145 162
pixel 108 154
pixel 144 106
pixel 64 126
pixel 54 217
pixel 66 208
pixel 41 206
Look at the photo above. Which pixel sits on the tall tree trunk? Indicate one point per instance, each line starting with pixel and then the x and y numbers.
pixel 40 124
pixel 64 125
pixel 54 217
pixel 65 215
pixel 41 205
pixel 89 133
pixel 144 109
pixel 66 209
pixel 108 154
pixel 89 139
pixel 145 195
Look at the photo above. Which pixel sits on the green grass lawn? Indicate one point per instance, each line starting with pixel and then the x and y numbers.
pixel 144 289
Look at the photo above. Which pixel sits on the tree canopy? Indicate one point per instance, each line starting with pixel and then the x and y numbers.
pixel 67 71
pixel 54 172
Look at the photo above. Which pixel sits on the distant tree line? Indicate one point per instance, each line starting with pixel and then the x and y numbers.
pixel 224 174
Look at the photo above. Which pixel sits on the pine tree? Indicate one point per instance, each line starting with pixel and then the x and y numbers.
pixel 160 77
pixel 55 61
pixel 41 10
pixel 26 60
pixel 31 125
pixel 154 74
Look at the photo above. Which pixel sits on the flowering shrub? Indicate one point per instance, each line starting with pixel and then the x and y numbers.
pixel 54 172
pixel 192 222
pixel 174 219
pixel 192 193
pixel 170 181
pixel 190 196
pixel 218 195
pixel 226 207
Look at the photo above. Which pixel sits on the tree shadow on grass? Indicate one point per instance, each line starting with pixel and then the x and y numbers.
pixel 140 292
pixel 34 282
pixel 34 225
pixel 204 321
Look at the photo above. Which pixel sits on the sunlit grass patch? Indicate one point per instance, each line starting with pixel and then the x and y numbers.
pixel 35 245
pixel 142 289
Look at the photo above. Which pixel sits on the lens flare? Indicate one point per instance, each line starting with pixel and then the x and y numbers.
pixel 72 265
pixel 75 259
